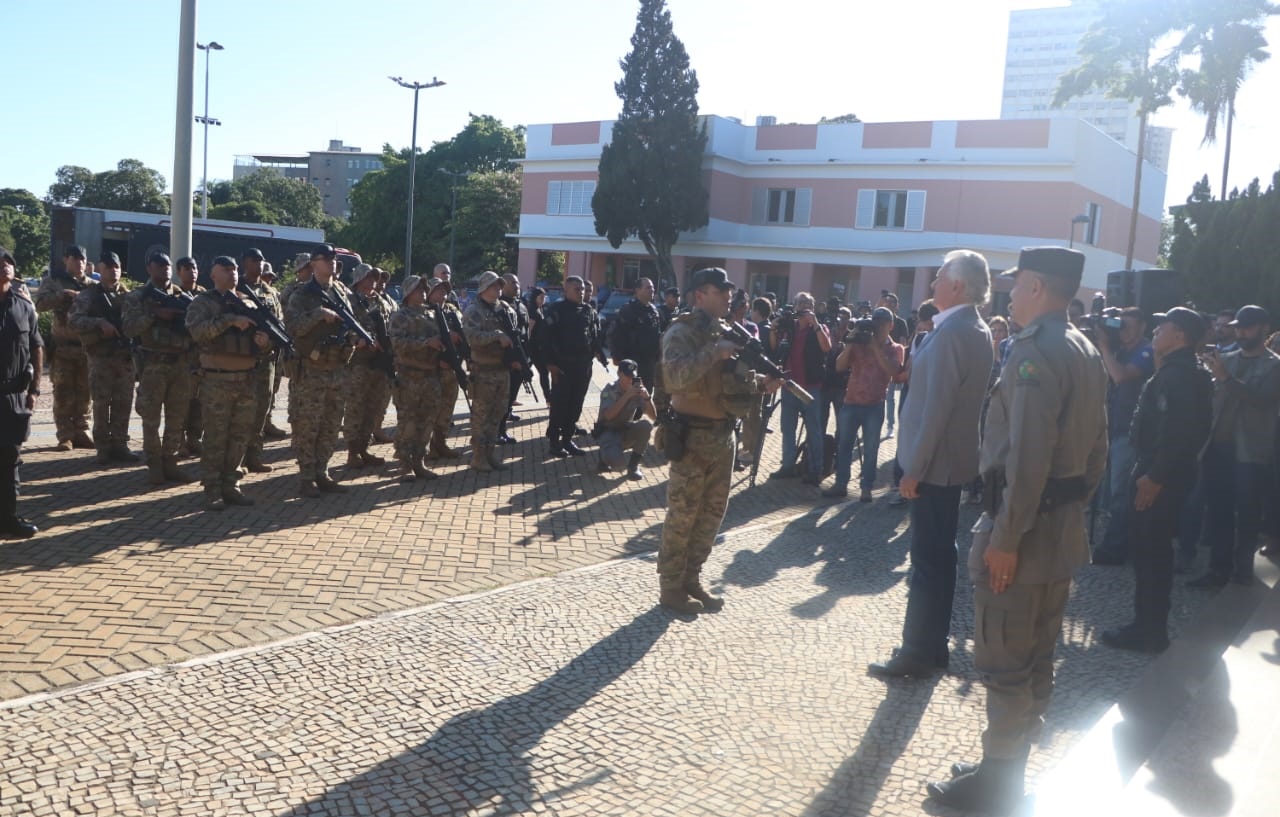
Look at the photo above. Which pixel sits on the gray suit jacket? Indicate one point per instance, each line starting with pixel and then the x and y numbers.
pixel 950 373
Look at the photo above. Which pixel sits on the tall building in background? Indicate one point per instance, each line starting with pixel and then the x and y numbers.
pixel 1043 45
pixel 334 171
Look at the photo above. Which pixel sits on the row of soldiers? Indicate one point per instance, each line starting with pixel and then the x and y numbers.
pixel 210 361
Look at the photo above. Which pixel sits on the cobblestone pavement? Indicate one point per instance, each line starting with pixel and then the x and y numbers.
pixel 569 695
pixel 124 576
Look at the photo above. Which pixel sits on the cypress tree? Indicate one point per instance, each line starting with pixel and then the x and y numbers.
pixel 650 176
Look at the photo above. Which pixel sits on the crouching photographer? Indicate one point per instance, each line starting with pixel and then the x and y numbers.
pixel 627 415
pixel 872 359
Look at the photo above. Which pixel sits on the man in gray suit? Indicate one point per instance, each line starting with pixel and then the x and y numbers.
pixel 938 453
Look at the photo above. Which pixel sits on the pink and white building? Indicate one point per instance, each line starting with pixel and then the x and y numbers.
pixel 853 209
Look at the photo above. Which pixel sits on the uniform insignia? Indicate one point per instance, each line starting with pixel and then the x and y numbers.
pixel 1028 374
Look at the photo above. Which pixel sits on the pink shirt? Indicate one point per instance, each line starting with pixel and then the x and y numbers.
pixel 868 381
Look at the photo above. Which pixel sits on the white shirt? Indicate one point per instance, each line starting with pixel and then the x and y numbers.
pixel 942 316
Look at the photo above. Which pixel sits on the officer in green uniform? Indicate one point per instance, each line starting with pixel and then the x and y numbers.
pixel 1044 451
pixel 706 396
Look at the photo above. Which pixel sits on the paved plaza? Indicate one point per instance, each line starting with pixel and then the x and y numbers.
pixel 483 644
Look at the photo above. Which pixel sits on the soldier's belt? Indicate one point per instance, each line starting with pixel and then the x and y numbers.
pixel 154 356
pixel 1058 491
pixel 488 367
pixel 706 423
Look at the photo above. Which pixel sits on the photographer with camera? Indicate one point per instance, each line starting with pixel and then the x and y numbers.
pixel 1127 355
pixel 627 415
pixel 801 342
pixel 872 359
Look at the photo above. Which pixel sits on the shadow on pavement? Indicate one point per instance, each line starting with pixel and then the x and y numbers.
pixel 480 759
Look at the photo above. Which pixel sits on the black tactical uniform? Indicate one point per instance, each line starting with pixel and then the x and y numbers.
pixel 571 338
pixel 635 335
pixel 1169 429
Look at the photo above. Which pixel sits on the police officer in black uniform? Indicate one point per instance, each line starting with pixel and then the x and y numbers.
pixel 1170 427
pixel 21 364
pixel 570 342
pixel 637 331
pixel 511 296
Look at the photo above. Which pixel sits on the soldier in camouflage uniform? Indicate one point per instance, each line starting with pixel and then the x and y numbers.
pixel 490 368
pixel 324 350
pixel 95 314
pixel 229 347
pixel 69 368
pixel 438 296
pixel 269 429
pixel 706 399
pixel 383 398
pixel 367 379
pixel 187 273
pixel 264 389
pixel 415 337
pixel 302 267
pixel 154 315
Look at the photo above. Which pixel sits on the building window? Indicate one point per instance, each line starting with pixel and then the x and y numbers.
pixel 890 210
pixel 788 205
pixel 1092 231
pixel 782 207
pixel 570 198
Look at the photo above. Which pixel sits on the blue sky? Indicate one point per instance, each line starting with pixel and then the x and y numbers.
pixel 93 81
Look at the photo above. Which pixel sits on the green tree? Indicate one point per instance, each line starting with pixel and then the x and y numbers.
pixel 132 186
pixel 650 178
pixel 488 207
pixel 292 202
pixel 1119 56
pixel 24 229
pixel 1227 36
pixel 70 185
pixel 250 212
pixel 842 119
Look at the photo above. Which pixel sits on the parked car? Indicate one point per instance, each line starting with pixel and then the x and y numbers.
pixel 609 310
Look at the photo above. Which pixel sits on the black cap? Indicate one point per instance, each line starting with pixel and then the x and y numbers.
pixel 109 258
pixel 254 252
pixel 1251 315
pixel 882 314
pixel 5 254
pixel 324 251
pixel 224 261
pixel 75 251
pixel 1055 262
pixel 186 261
pixel 710 275
pixel 1188 320
pixel 671 291
pixel 159 258
pixel 628 367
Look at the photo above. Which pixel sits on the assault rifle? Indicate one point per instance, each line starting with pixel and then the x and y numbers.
pixel 517 353
pixel 752 352
pixel 452 355
pixel 113 317
pixel 383 360
pixel 348 319
pixel 177 303
pixel 262 318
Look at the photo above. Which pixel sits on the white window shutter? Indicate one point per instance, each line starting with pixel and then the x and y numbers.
pixel 759 204
pixel 553 198
pixel 804 204
pixel 915 210
pixel 865 218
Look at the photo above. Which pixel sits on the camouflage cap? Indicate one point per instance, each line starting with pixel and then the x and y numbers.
pixel 487 279
pixel 411 282
pixel 360 273
pixel 301 260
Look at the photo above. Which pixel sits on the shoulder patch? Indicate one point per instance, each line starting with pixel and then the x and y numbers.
pixel 1028 374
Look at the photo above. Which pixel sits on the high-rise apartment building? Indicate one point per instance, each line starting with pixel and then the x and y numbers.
pixel 334 171
pixel 1043 45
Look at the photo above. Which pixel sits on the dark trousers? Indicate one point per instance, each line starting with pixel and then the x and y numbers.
pixel 935 515
pixel 13 432
pixel 566 399
pixel 516 380
pixel 1151 545
pixel 1235 492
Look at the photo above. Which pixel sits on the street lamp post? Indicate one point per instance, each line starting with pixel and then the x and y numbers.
pixel 453 206
pixel 1080 219
pixel 413 163
pixel 206 121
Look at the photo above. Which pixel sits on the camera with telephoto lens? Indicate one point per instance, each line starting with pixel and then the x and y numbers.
pixel 1107 320
pixel 861 331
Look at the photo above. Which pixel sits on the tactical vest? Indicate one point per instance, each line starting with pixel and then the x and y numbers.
pixel 234 341
pixel 730 383
pixel 165 335
pixel 325 345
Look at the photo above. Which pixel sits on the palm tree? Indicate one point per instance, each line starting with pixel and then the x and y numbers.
pixel 1118 54
pixel 1228 38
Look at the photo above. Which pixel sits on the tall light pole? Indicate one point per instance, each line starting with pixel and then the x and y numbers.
pixel 180 201
pixel 453 206
pixel 206 121
pixel 413 163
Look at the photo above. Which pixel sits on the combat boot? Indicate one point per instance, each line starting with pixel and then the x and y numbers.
pixel 328 484
pixel 381 437
pixel 354 459
pixel 170 467
pixel 103 457
pixel 253 462
pixel 479 458
pixel 420 471
pixel 155 471
pixel 233 496
pixel 495 458
pixel 693 586
pixel 194 448
pixel 82 440
pixel 678 601
pixel 273 431
pixel 121 453
pixel 371 459
pixel 633 466
pixel 64 445
pixel 213 500
pixel 995 787
pixel 307 489
pixel 440 449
